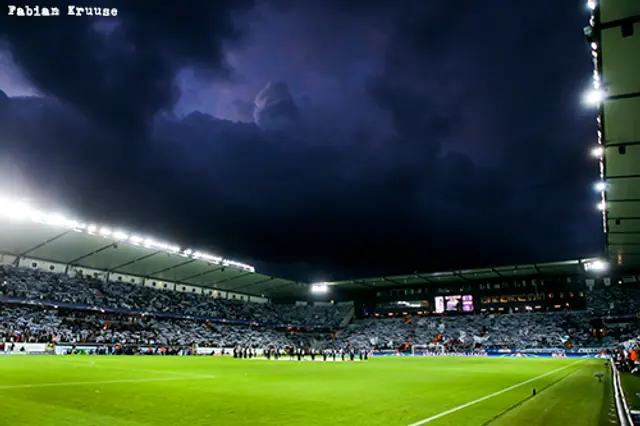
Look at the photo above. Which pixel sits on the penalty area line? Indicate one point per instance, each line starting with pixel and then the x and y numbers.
pixel 484 398
pixel 102 382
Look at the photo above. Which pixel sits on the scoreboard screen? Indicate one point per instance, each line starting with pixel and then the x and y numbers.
pixel 457 303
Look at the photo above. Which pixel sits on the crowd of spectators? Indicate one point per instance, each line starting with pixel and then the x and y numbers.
pixel 520 331
pixel 613 299
pixel 525 331
pixel 29 284
pixel 27 324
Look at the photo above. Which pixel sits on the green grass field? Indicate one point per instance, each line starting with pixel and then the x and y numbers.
pixel 631 388
pixel 127 391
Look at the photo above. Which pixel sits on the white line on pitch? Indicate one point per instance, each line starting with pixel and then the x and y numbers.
pixel 484 398
pixel 103 382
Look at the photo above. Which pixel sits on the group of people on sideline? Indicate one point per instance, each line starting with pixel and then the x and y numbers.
pixel 301 354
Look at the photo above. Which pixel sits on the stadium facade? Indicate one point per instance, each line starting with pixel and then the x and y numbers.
pixel 51 243
pixel 519 288
pixel 613 35
pixel 34 239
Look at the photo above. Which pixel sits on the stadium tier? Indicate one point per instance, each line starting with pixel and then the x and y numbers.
pixel 613 37
pixel 35 287
pixel 40 307
pixel 66 281
pixel 48 241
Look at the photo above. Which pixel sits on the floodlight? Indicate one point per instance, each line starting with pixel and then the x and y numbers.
pixel 600 186
pixel 596 266
pixel 55 219
pixel 319 288
pixel 18 210
pixel 601 206
pixel 120 235
pixel 594 97
pixel 135 239
pixel 597 152
pixel 591 4
pixel 105 232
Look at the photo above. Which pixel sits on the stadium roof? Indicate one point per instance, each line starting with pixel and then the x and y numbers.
pixel 27 232
pixel 616 91
pixel 467 275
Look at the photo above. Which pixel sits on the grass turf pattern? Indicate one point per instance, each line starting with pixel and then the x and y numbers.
pixel 128 391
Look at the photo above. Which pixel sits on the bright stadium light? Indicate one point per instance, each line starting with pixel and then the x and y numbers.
pixel 208 257
pixel 597 152
pixel 319 288
pixel 120 235
pixel 136 239
pixel 16 210
pixel 600 186
pixel 596 80
pixel 594 97
pixel 596 266
pixel 105 232
pixel 591 4
pixel 601 206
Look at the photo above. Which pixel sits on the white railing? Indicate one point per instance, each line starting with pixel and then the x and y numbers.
pixel 622 409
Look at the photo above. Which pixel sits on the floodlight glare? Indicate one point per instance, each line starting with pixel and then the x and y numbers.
pixel 601 206
pixel 120 235
pixel 597 152
pixel 591 4
pixel 600 186
pixel 18 210
pixel 596 266
pixel 594 97
pixel 135 239
pixel 319 288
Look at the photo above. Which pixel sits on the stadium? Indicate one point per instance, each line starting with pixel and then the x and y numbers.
pixel 101 325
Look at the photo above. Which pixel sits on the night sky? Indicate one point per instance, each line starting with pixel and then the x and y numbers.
pixel 319 140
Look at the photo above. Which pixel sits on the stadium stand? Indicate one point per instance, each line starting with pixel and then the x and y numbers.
pixel 22 324
pixel 65 281
pixel 513 332
pixel 43 306
pixel 25 285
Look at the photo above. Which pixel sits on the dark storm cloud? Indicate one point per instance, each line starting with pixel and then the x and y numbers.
pixel 244 109
pixel 433 135
pixel 275 108
pixel 120 77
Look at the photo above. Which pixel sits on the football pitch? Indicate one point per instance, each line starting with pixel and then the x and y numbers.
pixel 402 391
